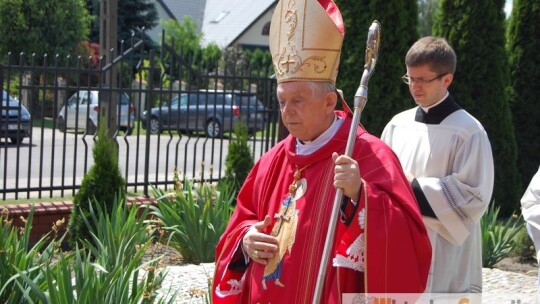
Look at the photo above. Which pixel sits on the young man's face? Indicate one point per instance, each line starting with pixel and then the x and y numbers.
pixel 426 86
pixel 305 111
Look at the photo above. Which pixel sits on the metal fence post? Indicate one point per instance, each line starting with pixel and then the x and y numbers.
pixel 61 94
pixel 26 93
pixel 139 96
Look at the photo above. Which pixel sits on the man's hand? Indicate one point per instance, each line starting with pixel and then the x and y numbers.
pixel 260 246
pixel 347 175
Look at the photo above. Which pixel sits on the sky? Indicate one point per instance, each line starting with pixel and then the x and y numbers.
pixel 508 7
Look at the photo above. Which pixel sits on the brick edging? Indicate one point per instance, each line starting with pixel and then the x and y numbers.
pixel 48 214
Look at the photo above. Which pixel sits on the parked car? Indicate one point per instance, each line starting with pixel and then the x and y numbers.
pixel 81 111
pixel 213 112
pixel 15 120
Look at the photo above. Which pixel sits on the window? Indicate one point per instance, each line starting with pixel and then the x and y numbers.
pixel 174 102
pixel 266 29
pixel 220 16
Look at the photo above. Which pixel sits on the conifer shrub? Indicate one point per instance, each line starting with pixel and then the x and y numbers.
pixel 523 44
pixel 102 184
pixel 388 95
pixel 239 160
pixel 475 29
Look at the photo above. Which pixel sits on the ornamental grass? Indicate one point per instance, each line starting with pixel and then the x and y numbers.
pixel 498 235
pixel 107 269
pixel 194 217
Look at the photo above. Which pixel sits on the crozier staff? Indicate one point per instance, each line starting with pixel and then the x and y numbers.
pixel 271 249
pixel 360 100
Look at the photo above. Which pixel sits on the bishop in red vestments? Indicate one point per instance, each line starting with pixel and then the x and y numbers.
pixel 271 250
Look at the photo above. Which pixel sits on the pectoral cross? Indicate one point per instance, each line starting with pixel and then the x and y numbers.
pixel 287 202
pixel 283 216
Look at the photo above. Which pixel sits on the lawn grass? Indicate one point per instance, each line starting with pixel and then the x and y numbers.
pixel 47 122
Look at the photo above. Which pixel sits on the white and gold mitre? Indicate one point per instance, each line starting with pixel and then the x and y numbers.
pixel 305 40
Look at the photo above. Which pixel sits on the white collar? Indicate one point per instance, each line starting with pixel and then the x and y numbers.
pixel 426 109
pixel 306 148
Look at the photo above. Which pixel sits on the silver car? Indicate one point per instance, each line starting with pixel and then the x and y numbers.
pixel 82 108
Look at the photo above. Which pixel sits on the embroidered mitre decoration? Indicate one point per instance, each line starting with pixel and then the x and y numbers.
pixel 305 40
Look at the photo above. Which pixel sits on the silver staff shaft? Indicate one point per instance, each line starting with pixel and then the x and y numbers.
pixel 360 100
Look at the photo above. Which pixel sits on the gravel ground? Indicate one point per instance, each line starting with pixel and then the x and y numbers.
pixel 191 282
pixel 511 278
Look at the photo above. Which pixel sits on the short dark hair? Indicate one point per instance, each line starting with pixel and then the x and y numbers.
pixel 433 51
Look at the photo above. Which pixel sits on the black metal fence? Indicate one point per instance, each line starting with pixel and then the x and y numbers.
pixel 58 93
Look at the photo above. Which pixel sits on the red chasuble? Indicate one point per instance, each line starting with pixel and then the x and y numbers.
pixel 381 244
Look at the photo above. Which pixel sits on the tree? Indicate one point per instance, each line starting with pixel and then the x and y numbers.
pixel 239 160
pixel 387 94
pixel 475 29
pixel 183 36
pixel 260 62
pixel 185 41
pixel 523 45
pixel 133 17
pixel 43 27
pixel 211 55
pixel 103 184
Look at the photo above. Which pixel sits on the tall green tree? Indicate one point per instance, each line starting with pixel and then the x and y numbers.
pixel 211 55
pixel 523 44
pixel 261 60
pixel 475 29
pixel 43 27
pixel 185 39
pixel 183 36
pixel 387 94
pixel 133 17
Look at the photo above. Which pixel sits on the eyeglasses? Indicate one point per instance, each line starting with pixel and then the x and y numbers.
pixel 409 80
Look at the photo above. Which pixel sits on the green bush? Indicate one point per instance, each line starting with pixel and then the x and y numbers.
pixel 239 160
pixel 103 183
pixel 498 236
pixel 194 217
pixel 524 246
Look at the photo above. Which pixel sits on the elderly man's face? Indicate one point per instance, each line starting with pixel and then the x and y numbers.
pixel 306 111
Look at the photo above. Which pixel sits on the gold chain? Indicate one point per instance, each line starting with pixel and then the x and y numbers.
pixel 296 177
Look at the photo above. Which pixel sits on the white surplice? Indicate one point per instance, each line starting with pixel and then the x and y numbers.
pixel 453 165
pixel 530 208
